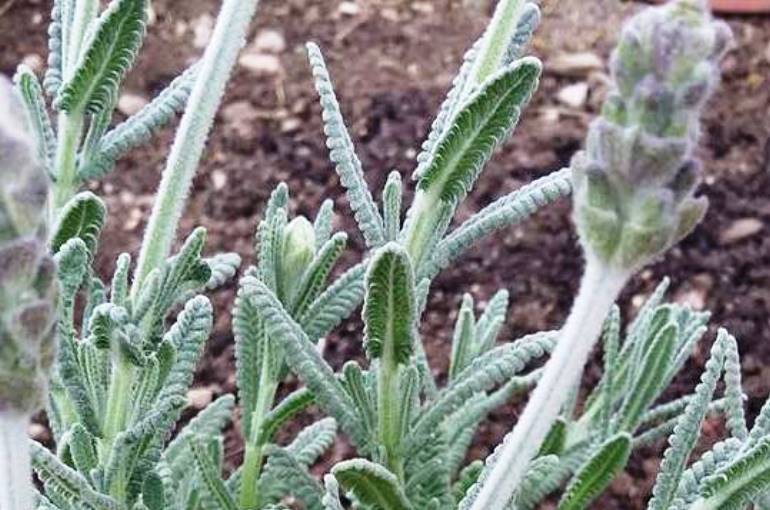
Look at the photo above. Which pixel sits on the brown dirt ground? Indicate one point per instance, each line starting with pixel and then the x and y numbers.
pixel 392 61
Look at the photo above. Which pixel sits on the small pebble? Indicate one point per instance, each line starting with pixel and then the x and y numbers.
pixel 740 229
pixel 575 64
pixel 574 95
pixel 269 41
pixel 261 63
pixel 349 8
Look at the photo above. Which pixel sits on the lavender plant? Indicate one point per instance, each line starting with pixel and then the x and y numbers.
pixel 120 376
pixel 27 298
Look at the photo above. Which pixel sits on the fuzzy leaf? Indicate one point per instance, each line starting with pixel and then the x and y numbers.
pixel 31 94
pixel 334 304
pixel 187 335
pixel 389 307
pixel 597 473
pixel 508 210
pixel 734 486
pixel 111 49
pixel 651 374
pixel 343 155
pixel 483 123
pixel 53 74
pixel 391 206
pixel 139 128
pixel 464 338
pixel 316 274
pixel 313 441
pixel 209 474
pixel 304 360
pixel 82 217
pixel 371 484
pixel 491 369
pixel 66 484
pixel 686 432
pixel 284 475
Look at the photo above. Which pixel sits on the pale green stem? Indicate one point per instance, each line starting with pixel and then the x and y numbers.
pixel 497 38
pixel 85 12
pixel 254 454
pixel 389 411
pixel 16 489
pixel 599 289
pixel 67 182
pixel 218 61
pixel 118 401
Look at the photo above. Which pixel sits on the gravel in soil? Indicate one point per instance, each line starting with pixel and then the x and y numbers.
pixel 392 61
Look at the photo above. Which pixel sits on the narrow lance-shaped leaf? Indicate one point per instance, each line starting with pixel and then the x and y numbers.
pixel 31 94
pixel 139 128
pixel 597 473
pixel 686 432
pixel 317 272
pixel 652 373
pixel 68 485
pixel 735 485
pixel 736 419
pixel 371 484
pixel 82 217
pixel 305 361
pixel 209 473
pixel 389 307
pixel 478 129
pixel 464 338
pixel 335 304
pixel 112 48
pixel 284 475
pixel 56 45
pixel 391 206
pixel 506 211
pixel 489 324
pixel 342 154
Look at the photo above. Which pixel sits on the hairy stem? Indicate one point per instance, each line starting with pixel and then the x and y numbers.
pixel 388 409
pixel 497 37
pixel 599 289
pixel 16 490
pixel 218 61
pixel 118 401
pixel 254 454
pixel 65 170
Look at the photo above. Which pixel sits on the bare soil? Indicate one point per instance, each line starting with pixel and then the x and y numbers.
pixel 392 61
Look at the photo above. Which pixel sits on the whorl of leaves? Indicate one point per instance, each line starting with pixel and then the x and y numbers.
pixel 111 50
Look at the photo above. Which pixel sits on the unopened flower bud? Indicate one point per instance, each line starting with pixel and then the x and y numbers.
pixel 297 254
pixel 635 181
pixel 27 284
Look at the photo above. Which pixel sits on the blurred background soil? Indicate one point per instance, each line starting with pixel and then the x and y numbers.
pixel 392 61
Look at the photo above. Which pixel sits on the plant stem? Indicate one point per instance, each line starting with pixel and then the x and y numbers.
pixel 599 289
pixel 66 185
pixel 15 470
pixel 118 400
pixel 389 409
pixel 253 457
pixel 218 61
pixel 497 37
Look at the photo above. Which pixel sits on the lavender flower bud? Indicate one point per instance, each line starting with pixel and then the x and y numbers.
pixel 636 179
pixel 297 254
pixel 27 283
